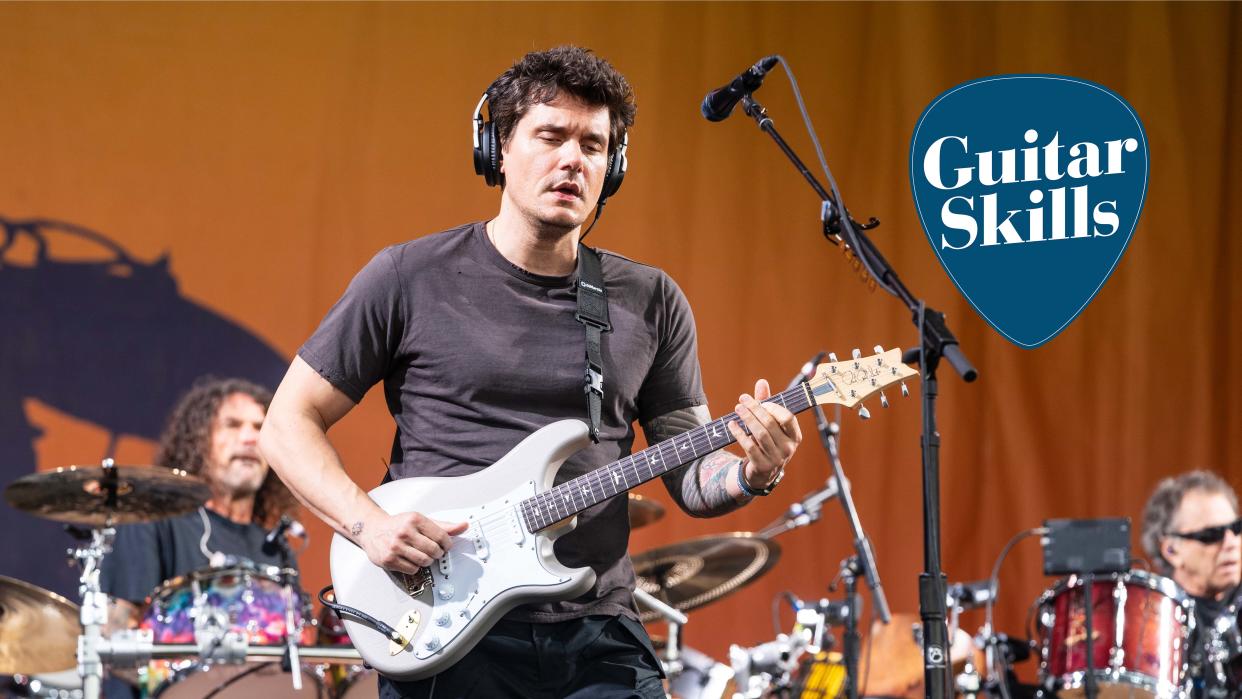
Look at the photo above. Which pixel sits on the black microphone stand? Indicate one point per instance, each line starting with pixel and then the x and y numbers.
pixel 935 342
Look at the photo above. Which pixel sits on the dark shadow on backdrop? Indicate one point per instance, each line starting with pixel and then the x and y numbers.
pixel 112 342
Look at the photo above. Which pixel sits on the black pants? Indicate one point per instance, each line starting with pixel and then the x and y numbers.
pixel 598 656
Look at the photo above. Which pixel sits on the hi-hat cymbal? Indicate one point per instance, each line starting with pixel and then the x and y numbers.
pixel 38 629
pixel 98 496
pixel 693 573
pixel 643 511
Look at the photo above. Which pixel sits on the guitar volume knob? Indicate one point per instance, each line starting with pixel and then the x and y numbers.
pixel 445 591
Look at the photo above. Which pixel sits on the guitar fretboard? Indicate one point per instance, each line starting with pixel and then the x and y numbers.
pixel 574 496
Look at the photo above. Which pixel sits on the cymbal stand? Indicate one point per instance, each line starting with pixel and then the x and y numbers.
pixel 676 619
pixel 804 512
pixel 94 611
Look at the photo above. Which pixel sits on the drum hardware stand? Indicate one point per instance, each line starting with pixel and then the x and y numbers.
pixel 94 611
pixel 766 669
pixel 935 342
pixel 290 662
pixel 804 512
pixel 849 579
pixel 676 619
pixel 1088 603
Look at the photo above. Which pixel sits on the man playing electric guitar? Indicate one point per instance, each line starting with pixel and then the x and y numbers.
pixel 475 334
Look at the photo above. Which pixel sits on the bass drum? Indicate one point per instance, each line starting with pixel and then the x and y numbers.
pixel 1141 625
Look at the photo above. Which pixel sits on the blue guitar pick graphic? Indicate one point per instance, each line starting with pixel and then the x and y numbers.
pixel 1029 188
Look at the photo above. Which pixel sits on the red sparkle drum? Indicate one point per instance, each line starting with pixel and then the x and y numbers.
pixel 1141 626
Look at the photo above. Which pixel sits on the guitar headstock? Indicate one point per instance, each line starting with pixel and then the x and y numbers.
pixel 848 383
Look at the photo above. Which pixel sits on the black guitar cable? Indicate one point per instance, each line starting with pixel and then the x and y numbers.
pixel 380 626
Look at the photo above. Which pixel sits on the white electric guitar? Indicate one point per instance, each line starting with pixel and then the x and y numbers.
pixel 504 559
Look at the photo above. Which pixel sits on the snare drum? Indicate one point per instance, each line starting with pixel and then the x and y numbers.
pixel 1141 626
pixel 257 602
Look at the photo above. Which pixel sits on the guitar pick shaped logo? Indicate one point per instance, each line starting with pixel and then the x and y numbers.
pixel 1029 188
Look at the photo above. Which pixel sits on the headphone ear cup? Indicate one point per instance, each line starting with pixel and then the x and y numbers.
pixel 617 165
pixel 490 155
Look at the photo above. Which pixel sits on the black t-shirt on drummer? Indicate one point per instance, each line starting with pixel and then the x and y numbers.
pixel 146 555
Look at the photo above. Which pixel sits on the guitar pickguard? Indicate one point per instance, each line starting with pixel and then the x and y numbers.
pixel 494 555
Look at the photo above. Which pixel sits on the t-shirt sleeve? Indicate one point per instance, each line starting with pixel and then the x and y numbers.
pixel 356 344
pixel 132 570
pixel 674 380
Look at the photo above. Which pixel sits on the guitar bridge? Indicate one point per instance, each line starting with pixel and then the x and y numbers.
pixel 414 585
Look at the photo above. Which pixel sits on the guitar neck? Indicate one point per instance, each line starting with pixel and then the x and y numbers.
pixel 574 496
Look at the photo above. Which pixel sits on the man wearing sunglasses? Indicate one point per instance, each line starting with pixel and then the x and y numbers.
pixel 1191 533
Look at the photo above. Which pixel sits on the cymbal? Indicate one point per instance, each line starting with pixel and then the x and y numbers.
pixel 97 496
pixel 38 629
pixel 693 573
pixel 643 511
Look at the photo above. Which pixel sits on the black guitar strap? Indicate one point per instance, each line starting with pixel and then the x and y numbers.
pixel 593 314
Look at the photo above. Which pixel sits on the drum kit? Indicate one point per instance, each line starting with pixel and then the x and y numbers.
pixel 1142 643
pixel 242 630
pixel 236 630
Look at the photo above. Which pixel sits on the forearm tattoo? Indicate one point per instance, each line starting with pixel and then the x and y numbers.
pixel 356 528
pixel 699 488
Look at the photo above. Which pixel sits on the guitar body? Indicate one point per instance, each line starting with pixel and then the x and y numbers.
pixel 495 565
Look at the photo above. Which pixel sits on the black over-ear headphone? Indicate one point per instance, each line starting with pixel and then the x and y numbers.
pixel 487 155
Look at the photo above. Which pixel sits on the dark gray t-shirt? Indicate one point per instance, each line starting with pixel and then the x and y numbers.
pixel 476 353
pixel 145 555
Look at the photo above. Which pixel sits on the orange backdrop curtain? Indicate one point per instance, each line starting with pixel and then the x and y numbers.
pixel 269 150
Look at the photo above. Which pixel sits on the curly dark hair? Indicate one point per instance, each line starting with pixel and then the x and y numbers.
pixel 541 75
pixel 1163 504
pixel 187 440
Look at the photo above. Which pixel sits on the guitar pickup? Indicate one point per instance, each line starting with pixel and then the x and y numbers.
pixel 480 544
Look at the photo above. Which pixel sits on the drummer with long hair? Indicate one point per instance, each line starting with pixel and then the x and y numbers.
pixel 212 433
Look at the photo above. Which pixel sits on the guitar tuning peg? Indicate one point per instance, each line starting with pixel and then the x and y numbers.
pixel 883 400
pixel 905 392
pixel 864 413
pixel 832 357
pixel 878 349
pixel 856 354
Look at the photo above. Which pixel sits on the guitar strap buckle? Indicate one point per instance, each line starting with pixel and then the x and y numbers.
pixel 593 314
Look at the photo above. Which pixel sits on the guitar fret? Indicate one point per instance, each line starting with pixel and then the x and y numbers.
pixel 666 464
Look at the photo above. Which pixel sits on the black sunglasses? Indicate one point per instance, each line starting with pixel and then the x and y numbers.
pixel 1212 535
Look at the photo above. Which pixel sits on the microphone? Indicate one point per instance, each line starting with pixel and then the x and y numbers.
pixel 808 370
pixel 272 542
pixel 719 103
